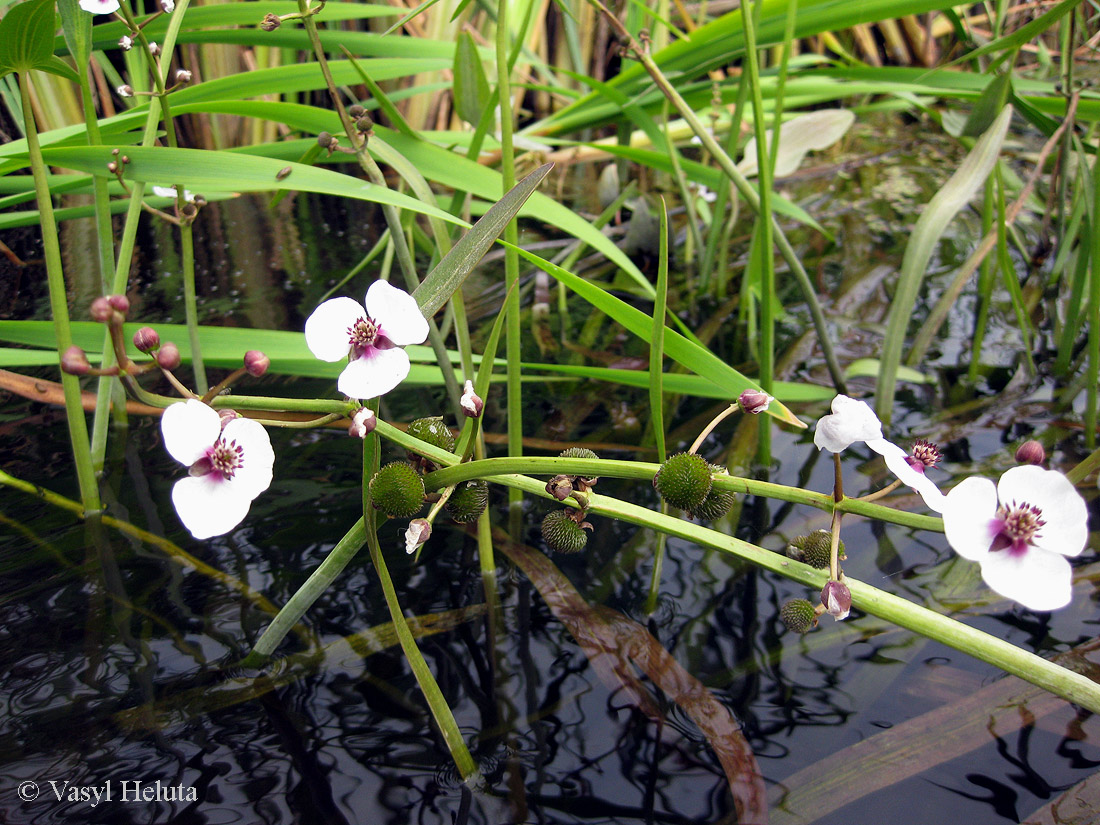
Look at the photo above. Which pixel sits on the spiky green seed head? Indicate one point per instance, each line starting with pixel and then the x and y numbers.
pixel 433 431
pixel 798 615
pixel 562 533
pixel 468 501
pixel 717 503
pixel 397 490
pixel 684 481
pixel 577 452
pixel 814 549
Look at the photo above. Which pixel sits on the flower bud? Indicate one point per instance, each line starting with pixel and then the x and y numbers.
pixel 74 361
pixel 125 43
pixel 256 363
pixel 754 402
pixel 125 90
pixel 684 480
pixel 119 303
pixel 183 76
pixel 169 6
pixel 419 531
pixel 471 404
pixel 468 501
pixel 397 490
pixel 363 422
pixel 561 532
pixel 560 487
pixel 168 356
pixel 837 599
pixel 101 310
pixel 270 22
pixel 1031 452
pixel 154 49
pixel 798 615
pixel 364 124
pixel 356 111
pixel 146 339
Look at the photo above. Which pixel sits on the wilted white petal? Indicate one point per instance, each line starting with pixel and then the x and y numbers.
pixel 897 460
pixel 397 314
pixel 374 373
pixel 968 510
pixel 208 506
pixel 1036 579
pixel 254 474
pixel 327 328
pixel 1066 529
pixel 189 430
pixel 99 6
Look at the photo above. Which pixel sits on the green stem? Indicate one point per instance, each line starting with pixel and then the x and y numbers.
pixel 59 308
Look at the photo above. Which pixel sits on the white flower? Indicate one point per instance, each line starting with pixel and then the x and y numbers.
pixel 1020 532
pixel 373 337
pixel 853 421
pixel 125 43
pixel 229 466
pixel 170 192
pixel 99 6
pixel 125 90
pixel 168 5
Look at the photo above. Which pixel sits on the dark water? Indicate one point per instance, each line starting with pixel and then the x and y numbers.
pixel 117 656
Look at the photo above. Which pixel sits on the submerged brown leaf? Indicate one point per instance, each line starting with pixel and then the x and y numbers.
pixel 616 644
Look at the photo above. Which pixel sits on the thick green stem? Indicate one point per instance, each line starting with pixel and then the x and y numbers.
pixel 59 307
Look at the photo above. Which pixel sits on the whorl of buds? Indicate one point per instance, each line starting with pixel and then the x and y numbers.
pixel 798 615
pixel 754 402
pixel 168 356
pixel 362 423
pixel 256 363
pixel 146 339
pixel 1031 452
pixel 397 490
pixel 271 22
pixel 420 530
pixel 471 404
pixel 837 599
pixel 74 361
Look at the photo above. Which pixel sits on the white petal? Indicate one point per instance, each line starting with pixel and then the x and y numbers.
pixel 968 510
pixel 397 313
pixel 327 328
pixel 1036 579
pixel 99 6
pixel 165 192
pixel 189 430
pixel 849 422
pixel 208 506
pixel 254 475
pixel 895 458
pixel 374 373
pixel 1066 529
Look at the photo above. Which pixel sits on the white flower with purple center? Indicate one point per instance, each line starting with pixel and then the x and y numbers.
pixel 1021 532
pixel 229 466
pixel 373 338
pixel 99 6
pixel 910 468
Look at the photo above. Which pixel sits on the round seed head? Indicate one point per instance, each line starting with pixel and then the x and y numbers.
pixel 798 615
pixel 468 501
pixel 562 533
pixel 397 490
pixel 433 431
pixel 814 549
pixel 684 481
pixel 717 503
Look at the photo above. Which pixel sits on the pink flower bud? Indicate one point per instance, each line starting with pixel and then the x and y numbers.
pixel 119 303
pixel 101 310
pixel 1031 452
pixel 837 599
pixel 228 415
pixel 362 423
pixel 256 363
pixel 146 339
pixel 472 405
pixel 125 90
pixel 75 362
pixel 754 402
pixel 419 532
pixel 168 356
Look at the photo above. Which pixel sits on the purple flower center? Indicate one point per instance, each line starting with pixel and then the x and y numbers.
pixel 362 335
pixel 1015 526
pixel 925 454
pixel 223 458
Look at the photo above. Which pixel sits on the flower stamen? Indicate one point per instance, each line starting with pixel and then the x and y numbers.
pixel 223 458
pixel 362 334
pixel 924 454
pixel 1015 526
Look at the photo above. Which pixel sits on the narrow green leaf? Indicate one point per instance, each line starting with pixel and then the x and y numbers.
pixel 76 25
pixel 943 207
pixel 657 340
pixel 989 105
pixel 471 89
pixel 448 275
pixel 26 35
pixel 55 65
